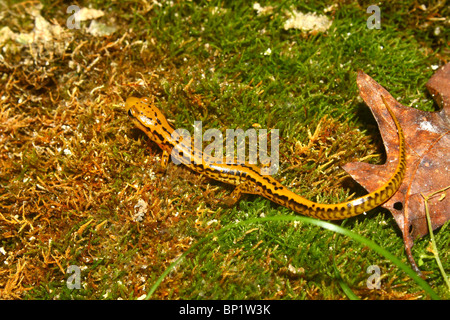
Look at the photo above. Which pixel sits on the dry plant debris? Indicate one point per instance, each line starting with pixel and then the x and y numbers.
pixel 72 183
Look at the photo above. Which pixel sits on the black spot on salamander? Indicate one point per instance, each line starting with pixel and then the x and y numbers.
pixel 285 198
pixel 168 145
pixel 159 136
pixel 259 184
pixel 267 179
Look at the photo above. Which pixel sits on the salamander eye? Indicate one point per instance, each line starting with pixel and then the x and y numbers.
pixel 130 113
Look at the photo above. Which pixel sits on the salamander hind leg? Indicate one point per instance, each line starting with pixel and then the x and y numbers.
pixel 233 198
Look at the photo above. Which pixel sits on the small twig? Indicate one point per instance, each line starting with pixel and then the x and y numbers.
pixel 433 242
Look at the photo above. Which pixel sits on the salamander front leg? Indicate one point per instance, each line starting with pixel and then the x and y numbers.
pixel 164 162
pixel 164 159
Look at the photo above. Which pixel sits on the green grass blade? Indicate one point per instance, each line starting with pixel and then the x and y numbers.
pixel 322 224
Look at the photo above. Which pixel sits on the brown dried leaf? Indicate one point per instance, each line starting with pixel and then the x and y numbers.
pixel 428 162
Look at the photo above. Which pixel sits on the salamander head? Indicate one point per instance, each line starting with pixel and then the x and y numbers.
pixel 149 119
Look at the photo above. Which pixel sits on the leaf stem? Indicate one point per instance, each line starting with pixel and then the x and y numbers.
pixel 433 241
